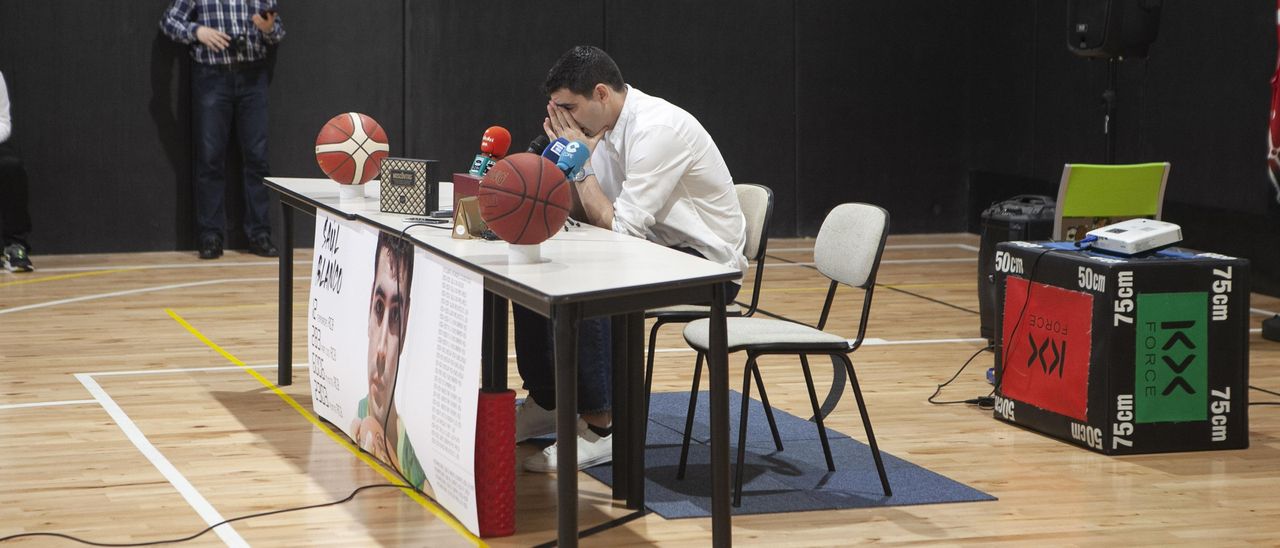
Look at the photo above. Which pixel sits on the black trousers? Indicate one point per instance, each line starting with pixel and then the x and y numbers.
pixel 15 218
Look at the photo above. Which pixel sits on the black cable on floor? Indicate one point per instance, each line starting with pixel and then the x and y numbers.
pixel 930 299
pixel 988 401
pixel 1264 390
pixel 209 528
pixel 903 291
pixel 981 402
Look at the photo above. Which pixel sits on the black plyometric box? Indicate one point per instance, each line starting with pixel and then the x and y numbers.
pixel 409 186
pixel 1123 355
pixel 1024 217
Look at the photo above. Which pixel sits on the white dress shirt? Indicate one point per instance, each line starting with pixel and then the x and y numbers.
pixel 668 182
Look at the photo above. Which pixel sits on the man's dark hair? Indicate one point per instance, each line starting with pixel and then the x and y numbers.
pixel 400 255
pixel 580 69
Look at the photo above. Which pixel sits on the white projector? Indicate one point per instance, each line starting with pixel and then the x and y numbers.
pixel 1136 236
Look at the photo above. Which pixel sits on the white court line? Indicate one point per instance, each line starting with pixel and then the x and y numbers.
pixel 195 369
pixel 44 404
pixel 211 516
pixel 886 261
pixel 204 264
pixel 1262 312
pixel 882 342
pixel 965 247
pixel 870 341
pixel 137 291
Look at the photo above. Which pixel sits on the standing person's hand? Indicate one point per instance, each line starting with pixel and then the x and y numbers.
pixel 212 38
pixel 265 24
pixel 559 123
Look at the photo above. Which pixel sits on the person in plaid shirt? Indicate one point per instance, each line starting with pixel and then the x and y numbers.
pixel 229 41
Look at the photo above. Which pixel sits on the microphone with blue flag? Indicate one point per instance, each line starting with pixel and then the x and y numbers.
pixel 553 150
pixel 574 156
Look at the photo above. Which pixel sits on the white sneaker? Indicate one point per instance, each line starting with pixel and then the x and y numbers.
pixel 592 450
pixel 533 421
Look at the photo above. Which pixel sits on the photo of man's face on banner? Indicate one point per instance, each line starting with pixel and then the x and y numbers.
pixel 377 427
pixel 395 369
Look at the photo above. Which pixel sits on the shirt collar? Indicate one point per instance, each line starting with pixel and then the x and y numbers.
pixel 629 107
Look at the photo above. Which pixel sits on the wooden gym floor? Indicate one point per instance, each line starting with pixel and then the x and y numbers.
pixel 129 413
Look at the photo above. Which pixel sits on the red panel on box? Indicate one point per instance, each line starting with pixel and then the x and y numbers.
pixel 1046 354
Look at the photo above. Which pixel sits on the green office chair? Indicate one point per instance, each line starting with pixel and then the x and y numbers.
pixel 1091 196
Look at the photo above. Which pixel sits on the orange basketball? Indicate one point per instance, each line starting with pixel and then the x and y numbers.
pixel 350 148
pixel 524 199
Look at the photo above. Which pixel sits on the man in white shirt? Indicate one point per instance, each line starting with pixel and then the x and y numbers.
pixel 653 173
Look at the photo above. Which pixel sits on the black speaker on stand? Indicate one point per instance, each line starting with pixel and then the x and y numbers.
pixel 1112 30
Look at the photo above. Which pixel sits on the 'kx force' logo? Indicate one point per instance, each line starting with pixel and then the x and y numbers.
pixel 1041 353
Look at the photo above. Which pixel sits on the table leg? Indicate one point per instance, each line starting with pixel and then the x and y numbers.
pixel 621 410
pixel 718 368
pixel 565 319
pixel 494 344
pixel 637 413
pixel 284 336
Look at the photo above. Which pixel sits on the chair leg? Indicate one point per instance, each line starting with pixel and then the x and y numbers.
pixel 817 413
pixel 742 432
pixel 768 409
pixel 688 418
pixel 648 366
pixel 866 423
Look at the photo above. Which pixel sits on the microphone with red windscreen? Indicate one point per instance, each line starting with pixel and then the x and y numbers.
pixel 493 146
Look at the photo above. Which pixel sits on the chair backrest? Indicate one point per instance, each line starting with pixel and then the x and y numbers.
pixel 850 243
pixel 757 206
pixel 1107 194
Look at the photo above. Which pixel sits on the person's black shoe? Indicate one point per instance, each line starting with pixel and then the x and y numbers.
pixel 261 245
pixel 210 246
pixel 14 258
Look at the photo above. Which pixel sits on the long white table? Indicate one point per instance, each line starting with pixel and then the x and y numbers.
pixel 585 272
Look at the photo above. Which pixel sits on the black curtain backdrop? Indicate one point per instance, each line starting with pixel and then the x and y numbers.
pixel 928 108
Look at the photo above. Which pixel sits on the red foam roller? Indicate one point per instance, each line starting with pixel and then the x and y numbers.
pixel 496 463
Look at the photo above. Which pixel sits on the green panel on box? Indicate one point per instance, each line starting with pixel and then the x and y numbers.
pixel 1171 355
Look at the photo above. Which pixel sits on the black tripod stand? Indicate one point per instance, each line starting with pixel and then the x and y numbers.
pixel 1109 100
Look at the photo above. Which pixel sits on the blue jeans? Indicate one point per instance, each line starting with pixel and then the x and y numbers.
pixel 219 98
pixel 536 360
pixel 535 356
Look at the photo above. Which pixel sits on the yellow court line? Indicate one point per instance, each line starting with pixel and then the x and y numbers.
pixel 923 286
pixel 67 276
pixel 364 457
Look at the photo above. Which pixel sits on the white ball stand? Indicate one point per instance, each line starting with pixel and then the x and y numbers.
pixel 350 192
pixel 524 254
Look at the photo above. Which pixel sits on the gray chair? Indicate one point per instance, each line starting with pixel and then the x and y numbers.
pixel 757 207
pixel 847 251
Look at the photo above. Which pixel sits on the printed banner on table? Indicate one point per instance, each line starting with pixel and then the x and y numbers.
pixel 1046 355
pixel 395 356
